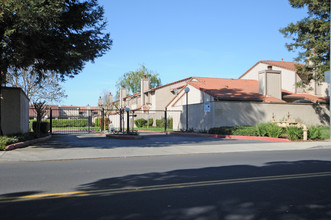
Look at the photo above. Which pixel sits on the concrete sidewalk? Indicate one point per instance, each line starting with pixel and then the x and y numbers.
pixel 72 147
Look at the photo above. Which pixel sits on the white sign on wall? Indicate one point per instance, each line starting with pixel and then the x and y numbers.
pixel 207 107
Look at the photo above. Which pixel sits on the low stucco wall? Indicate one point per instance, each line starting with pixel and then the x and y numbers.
pixel 115 119
pixel 227 113
pixel 14 111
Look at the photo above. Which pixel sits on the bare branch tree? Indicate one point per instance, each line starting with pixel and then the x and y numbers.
pixel 46 89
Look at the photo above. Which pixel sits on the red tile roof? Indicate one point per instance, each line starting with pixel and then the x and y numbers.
pixel 293 96
pixel 231 89
pixel 281 64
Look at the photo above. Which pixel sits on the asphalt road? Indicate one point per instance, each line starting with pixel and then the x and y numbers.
pixel 252 185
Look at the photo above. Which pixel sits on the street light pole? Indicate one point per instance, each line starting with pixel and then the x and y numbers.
pixel 187 89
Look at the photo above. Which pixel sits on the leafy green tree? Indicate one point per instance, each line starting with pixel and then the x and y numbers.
pixel 132 80
pixel 311 37
pixel 59 36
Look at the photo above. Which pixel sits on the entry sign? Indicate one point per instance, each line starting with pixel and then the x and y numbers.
pixel 207 107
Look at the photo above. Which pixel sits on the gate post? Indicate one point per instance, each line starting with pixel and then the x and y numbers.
pixel 89 119
pixel 127 109
pixel 50 120
pixel 165 121
pixel 102 119
pixel 120 119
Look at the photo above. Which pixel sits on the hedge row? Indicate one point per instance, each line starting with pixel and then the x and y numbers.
pixel 269 130
pixel 140 123
pixel 159 122
pixel 64 123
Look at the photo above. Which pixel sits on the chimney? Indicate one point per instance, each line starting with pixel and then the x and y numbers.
pixel 99 101
pixel 144 87
pixel 270 83
pixel 110 98
pixel 122 96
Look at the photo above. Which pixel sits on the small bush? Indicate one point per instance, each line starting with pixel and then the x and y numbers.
pixel 222 130
pixel 261 129
pixel 274 130
pixel 314 132
pixel 140 122
pixel 294 133
pixel 44 127
pixel 160 123
pixel 150 122
pixel 97 122
pixel 4 141
pixel 245 131
pixel 170 122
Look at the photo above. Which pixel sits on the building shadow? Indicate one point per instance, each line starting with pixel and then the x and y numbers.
pixel 277 190
pixel 149 140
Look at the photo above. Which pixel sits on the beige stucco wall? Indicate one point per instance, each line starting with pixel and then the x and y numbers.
pixel 14 111
pixel 155 99
pixel 164 95
pixel 288 76
pixel 226 113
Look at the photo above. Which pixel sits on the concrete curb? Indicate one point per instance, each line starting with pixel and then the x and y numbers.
pixel 26 143
pixel 230 136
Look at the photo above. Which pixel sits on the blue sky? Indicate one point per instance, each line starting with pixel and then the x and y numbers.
pixel 182 38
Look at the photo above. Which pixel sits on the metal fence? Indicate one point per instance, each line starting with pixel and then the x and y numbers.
pixel 68 120
pixel 82 120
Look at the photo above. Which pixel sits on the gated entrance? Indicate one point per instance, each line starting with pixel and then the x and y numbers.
pixel 69 120
pixel 141 120
pixel 83 120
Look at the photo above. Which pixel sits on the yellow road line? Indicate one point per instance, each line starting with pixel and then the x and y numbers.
pixel 162 187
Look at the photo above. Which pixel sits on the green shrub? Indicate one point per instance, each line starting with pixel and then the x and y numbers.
pixel 325 132
pixel 4 141
pixel 150 122
pixel 44 127
pixel 170 123
pixel 30 125
pixel 160 123
pixel 261 129
pixel 314 132
pixel 274 130
pixel 97 122
pixel 70 123
pixel 222 130
pixel 140 122
pixel 245 131
pixel 294 133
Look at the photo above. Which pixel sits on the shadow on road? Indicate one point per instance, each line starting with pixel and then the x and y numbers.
pixel 274 191
pixel 149 140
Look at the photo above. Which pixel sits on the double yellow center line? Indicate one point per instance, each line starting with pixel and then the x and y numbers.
pixel 162 187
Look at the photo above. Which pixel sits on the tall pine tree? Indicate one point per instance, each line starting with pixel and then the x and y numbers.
pixel 311 37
